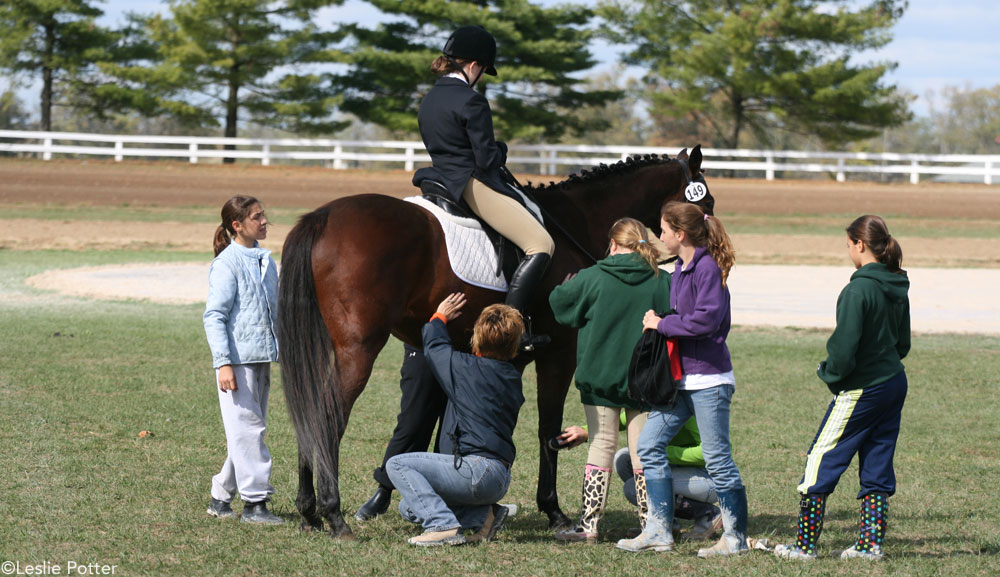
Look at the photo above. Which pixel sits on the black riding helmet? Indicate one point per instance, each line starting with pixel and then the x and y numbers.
pixel 473 43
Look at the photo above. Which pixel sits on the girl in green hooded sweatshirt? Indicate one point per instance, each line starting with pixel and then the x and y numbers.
pixel 607 302
pixel 863 370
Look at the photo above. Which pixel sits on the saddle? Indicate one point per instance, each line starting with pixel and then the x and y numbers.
pixel 508 254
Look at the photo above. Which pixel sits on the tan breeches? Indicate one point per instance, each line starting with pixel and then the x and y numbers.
pixel 602 428
pixel 508 217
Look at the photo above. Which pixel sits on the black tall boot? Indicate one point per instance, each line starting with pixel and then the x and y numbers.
pixel 376 505
pixel 521 290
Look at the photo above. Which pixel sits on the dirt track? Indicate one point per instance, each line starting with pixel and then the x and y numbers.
pixel 175 184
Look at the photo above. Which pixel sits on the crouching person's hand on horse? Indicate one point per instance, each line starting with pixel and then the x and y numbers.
pixel 451 307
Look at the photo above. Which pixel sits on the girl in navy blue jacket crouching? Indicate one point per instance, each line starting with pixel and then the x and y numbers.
pixel 459 487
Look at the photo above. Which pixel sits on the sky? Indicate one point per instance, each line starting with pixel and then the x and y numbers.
pixel 936 44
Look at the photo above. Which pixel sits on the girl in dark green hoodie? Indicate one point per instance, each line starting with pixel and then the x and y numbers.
pixel 607 302
pixel 864 371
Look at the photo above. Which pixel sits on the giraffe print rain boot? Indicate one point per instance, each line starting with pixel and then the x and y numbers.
pixel 595 495
pixel 642 501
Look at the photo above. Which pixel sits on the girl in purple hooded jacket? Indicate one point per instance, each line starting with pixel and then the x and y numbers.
pixel 700 299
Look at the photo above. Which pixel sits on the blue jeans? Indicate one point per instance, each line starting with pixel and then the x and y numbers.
pixel 439 496
pixel 691 482
pixel 711 408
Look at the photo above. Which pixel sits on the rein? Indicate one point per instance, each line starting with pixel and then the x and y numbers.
pixel 550 219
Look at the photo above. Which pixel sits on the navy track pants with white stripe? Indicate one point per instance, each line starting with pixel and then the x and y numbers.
pixel 863 422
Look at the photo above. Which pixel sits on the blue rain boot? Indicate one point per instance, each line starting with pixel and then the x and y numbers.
pixel 657 534
pixel 734 520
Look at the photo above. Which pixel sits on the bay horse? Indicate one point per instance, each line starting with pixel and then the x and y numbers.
pixel 364 267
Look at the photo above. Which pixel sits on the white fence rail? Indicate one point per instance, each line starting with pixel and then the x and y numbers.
pixel 339 154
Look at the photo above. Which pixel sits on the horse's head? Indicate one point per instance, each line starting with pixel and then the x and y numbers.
pixel 696 191
pixel 666 180
pixel 587 204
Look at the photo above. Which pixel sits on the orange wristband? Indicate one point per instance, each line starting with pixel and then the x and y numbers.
pixel 440 316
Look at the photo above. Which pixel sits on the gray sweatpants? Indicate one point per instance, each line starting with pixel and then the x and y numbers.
pixel 244 416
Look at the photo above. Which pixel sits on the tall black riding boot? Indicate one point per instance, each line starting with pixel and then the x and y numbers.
pixel 375 506
pixel 522 288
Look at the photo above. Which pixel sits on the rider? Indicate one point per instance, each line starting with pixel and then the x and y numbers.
pixel 456 125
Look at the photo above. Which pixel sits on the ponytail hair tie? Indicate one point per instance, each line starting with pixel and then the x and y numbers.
pixel 641 241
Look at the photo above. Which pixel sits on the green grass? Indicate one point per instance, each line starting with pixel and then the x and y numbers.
pixel 80 379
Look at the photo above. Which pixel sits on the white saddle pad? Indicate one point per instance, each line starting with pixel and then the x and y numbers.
pixel 472 256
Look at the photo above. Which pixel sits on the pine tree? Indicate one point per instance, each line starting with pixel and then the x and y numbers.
pixel 57 40
pixel 234 60
pixel 766 65
pixel 535 94
pixel 13 116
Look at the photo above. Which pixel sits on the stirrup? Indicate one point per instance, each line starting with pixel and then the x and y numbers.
pixel 530 342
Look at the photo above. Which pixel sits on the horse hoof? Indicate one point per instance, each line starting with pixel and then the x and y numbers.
pixel 559 521
pixel 311 525
pixel 345 535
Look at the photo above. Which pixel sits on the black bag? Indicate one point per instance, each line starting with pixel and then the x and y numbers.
pixel 652 376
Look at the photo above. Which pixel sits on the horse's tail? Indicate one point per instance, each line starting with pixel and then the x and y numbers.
pixel 307 373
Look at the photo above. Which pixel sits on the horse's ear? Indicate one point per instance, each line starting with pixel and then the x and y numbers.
pixel 695 162
pixel 682 155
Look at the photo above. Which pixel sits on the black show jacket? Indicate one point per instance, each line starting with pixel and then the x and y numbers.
pixel 456 125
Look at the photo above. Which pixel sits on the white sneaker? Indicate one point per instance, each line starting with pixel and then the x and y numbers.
pixel 874 555
pixel 792 552
pixel 511 508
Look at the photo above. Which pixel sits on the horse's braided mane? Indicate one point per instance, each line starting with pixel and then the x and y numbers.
pixel 603 170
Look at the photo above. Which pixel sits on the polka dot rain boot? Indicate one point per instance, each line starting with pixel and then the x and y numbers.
pixel 812 508
pixel 871 528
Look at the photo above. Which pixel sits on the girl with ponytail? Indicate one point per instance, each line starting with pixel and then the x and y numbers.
pixel 606 303
pixel 240 318
pixel 864 371
pixel 700 299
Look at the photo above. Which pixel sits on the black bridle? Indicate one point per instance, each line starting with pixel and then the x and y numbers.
pixel 551 221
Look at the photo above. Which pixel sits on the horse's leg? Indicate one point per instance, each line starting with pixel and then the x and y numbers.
pixel 353 364
pixel 555 371
pixel 306 500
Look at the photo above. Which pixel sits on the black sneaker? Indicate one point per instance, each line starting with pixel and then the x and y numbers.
pixel 220 509
pixel 257 513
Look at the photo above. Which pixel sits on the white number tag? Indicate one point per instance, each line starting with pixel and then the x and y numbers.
pixel 695 191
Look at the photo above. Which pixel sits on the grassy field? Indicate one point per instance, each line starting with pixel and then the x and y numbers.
pixel 80 379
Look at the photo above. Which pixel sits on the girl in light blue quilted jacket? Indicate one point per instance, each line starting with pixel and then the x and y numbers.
pixel 239 322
